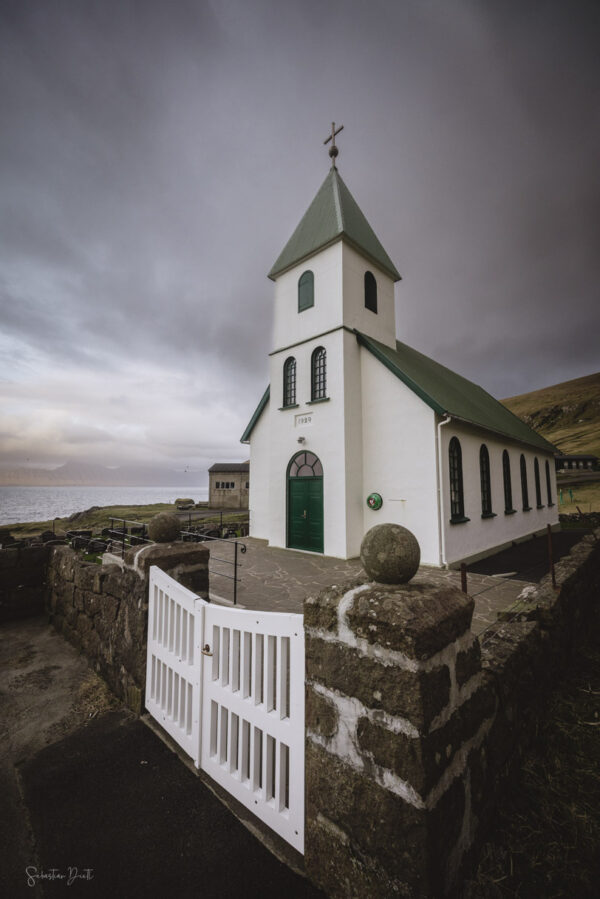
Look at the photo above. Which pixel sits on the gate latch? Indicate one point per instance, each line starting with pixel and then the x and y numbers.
pixel 206 650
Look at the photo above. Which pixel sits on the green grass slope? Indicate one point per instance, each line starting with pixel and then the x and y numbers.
pixel 567 414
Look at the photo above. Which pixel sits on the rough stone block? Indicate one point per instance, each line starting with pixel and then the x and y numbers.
pixel 9 558
pixel 417 696
pixel 321 611
pixel 468 663
pixel 84 575
pixel 134 699
pixel 377 823
pixel 416 619
pixel 321 714
pixel 63 559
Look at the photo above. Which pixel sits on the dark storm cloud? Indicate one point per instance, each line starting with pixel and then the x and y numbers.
pixel 155 158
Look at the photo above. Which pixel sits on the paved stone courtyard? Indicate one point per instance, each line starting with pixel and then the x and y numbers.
pixel 278 580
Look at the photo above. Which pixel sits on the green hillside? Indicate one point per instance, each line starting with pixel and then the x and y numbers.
pixel 568 414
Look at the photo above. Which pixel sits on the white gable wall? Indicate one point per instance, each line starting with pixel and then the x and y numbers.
pixel 380 325
pixel 322 426
pixel 480 535
pixel 291 326
pixel 259 475
pixel 399 452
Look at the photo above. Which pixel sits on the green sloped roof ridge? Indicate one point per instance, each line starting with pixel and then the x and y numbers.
pixel 256 415
pixel 332 214
pixel 447 392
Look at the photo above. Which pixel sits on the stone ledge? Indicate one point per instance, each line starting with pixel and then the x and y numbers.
pixel 418 696
pixel 418 620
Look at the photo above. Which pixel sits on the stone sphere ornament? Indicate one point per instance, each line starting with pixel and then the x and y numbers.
pixel 164 527
pixel 390 554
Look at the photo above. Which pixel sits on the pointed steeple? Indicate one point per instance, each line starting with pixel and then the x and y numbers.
pixel 333 214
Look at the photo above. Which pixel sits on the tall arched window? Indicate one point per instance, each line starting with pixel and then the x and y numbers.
pixel 486 487
pixel 538 486
pixel 306 291
pixel 548 484
pixel 318 374
pixel 507 483
pixel 289 382
pixel 457 501
pixel 370 292
pixel 524 490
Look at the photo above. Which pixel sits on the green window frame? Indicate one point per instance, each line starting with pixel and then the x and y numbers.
pixel 508 506
pixel 486 487
pixel 289 382
pixel 538 486
pixel 548 484
pixel 457 499
pixel 370 292
pixel 524 488
pixel 306 291
pixel 318 374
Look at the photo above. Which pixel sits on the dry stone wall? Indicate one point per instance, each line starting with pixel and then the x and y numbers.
pixel 415 729
pixel 103 610
pixel 23 586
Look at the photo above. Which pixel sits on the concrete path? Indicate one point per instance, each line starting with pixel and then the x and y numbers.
pixel 278 580
pixel 95 805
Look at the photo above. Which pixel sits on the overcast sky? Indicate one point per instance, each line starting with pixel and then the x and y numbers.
pixel 156 156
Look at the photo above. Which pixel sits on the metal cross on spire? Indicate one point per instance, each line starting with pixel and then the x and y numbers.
pixel 333 150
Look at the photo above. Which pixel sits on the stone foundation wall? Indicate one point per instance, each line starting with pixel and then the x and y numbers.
pixel 23 586
pixel 415 729
pixel 102 610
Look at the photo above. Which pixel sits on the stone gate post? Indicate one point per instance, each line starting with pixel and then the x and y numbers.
pixel 395 703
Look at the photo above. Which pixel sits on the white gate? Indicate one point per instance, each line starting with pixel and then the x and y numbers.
pixel 228 685
pixel 252 734
pixel 173 666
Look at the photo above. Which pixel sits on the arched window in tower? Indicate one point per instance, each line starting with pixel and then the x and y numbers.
pixel 289 382
pixel 318 374
pixel 370 292
pixel 508 507
pixel 306 291
pixel 538 486
pixel 486 487
pixel 457 501
pixel 524 489
pixel 548 484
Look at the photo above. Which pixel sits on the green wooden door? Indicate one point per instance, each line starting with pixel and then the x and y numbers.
pixel 305 513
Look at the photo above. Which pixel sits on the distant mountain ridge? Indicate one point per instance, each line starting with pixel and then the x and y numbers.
pixel 82 474
pixel 566 414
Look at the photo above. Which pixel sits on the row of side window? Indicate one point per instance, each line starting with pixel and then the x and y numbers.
pixel 228 485
pixel 318 377
pixel 457 502
pixel 306 291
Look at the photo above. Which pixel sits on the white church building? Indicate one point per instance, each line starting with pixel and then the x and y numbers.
pixel 357 428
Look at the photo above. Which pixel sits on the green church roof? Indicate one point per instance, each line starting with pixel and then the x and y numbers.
pixel 448 393
pixel 333 214
pixel 443 390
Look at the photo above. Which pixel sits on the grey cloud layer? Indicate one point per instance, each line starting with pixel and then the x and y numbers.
pixel 155 157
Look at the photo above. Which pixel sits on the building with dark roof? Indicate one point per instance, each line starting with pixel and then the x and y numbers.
pixel 228 485
pixel 357 428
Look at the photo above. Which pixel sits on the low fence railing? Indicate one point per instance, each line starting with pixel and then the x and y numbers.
pixel 124 533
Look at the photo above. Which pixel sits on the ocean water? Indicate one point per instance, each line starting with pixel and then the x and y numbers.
pixel 45 503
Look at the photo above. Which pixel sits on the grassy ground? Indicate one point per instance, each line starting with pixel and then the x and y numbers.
pixel 586 496
pixel 100 518
pixel 567 414
pixel 547 841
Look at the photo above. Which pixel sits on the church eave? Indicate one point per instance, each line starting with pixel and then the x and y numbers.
pixel 463 396
pixel 390 272
pixel 402 376
pixel 245 438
